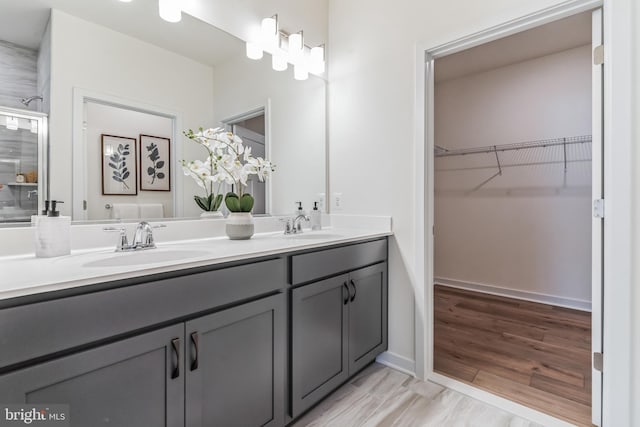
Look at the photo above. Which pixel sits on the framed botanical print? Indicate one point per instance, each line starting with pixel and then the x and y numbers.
pixel 155 163
pixel 119 174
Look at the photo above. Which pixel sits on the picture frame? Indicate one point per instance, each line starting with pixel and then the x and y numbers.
pixel 119 165
pixel 155 163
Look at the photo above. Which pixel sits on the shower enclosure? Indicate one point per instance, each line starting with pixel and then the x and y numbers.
pixel 23 164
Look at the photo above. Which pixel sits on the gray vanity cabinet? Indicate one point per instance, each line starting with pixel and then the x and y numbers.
pixel 235 366
pixel 134 382
pixel 319 338
pixel 367 315
pixel 339 325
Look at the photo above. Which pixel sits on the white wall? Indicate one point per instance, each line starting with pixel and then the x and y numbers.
pixel 296 129
pixel 95 58
pixel 103 119
pixel 528 230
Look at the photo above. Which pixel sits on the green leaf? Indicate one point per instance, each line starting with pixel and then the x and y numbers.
pixel 217 202
pixel 160 164
pixel 246 203
pixel 233 202
pixel 200 201
pixel 150 171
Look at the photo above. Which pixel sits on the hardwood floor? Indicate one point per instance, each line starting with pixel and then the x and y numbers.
pixel 382 397
pixel 535 354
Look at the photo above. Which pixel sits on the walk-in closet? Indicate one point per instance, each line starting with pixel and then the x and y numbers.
pixel 513 217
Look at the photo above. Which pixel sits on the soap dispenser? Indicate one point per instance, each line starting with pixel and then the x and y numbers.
pixel 316 217
pixel 300 210
pixel 53 232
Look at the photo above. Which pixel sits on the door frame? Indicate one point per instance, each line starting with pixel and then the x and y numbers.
pixel 618 186
pixel 263 109
pixel 80 189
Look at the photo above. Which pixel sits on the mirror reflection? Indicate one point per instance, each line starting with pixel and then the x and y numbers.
pixel 119 70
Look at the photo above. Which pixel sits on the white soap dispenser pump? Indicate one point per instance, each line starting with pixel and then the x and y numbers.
pixel 300 210
pixel 316 217
pixel 53 233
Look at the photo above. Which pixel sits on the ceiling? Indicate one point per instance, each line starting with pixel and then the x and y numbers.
pixel 23 22
pixel 540 41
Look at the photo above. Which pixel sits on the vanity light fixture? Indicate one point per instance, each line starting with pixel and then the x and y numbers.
pixel 286 49
pixel 316 60
pixel 296 47
pixel 300 72
pixel 170 10
pixel 12 123
pixel 269 33
pixel 254 50
pixel 125 1
pixel 279 60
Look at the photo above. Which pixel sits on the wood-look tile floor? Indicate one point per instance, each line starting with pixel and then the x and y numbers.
pixel 382 397
pixel 535 354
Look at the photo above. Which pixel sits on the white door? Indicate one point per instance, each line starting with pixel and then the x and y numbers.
pixel 256 188
pixel 597 228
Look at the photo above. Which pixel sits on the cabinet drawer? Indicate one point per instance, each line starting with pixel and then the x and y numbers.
pixel 316 265
pixel 39 329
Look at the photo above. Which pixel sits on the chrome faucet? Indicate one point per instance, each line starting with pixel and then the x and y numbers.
pixel 293 225
pixel 297 226
pixel 142 239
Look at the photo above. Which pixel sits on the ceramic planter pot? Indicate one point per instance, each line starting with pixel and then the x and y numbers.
pixel 239 225
pixel 211 215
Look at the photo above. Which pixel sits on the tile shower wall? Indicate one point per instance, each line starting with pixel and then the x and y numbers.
pixel 18 75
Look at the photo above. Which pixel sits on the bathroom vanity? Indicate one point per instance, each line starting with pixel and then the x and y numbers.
pixel 252 341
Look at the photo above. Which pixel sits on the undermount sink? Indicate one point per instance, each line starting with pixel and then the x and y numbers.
pixel 149 256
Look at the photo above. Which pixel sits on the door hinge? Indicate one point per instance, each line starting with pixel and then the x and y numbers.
pixel 84 205
pixel 597 361
pixel 598 208
pixel 598 55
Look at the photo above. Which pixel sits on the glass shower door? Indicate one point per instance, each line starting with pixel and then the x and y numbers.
pixel 21 164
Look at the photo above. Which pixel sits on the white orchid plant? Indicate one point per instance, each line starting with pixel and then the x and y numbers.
pixel 229 162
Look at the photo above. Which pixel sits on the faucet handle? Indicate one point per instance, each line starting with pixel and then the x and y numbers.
pixel 288 226
pixel 123 243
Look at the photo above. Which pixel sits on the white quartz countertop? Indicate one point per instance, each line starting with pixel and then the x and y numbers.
pixel 25 275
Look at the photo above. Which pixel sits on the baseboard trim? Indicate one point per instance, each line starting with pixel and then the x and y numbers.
pixel 575 304
pixel 397 362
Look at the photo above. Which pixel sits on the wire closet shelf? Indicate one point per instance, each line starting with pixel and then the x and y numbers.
pixel 547 151
pixel 543 143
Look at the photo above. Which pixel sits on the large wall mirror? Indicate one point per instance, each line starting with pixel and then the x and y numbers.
pixel 117 77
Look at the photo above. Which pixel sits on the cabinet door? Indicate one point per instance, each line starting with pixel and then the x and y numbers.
pixel 367 315
pixel 133 382
pixel 235 366
pixel 318 341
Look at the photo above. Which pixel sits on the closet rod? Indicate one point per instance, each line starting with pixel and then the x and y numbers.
pixel 443 152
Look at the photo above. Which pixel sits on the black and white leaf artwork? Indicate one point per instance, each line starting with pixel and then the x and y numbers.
pixel 156 164
pixel 118 162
